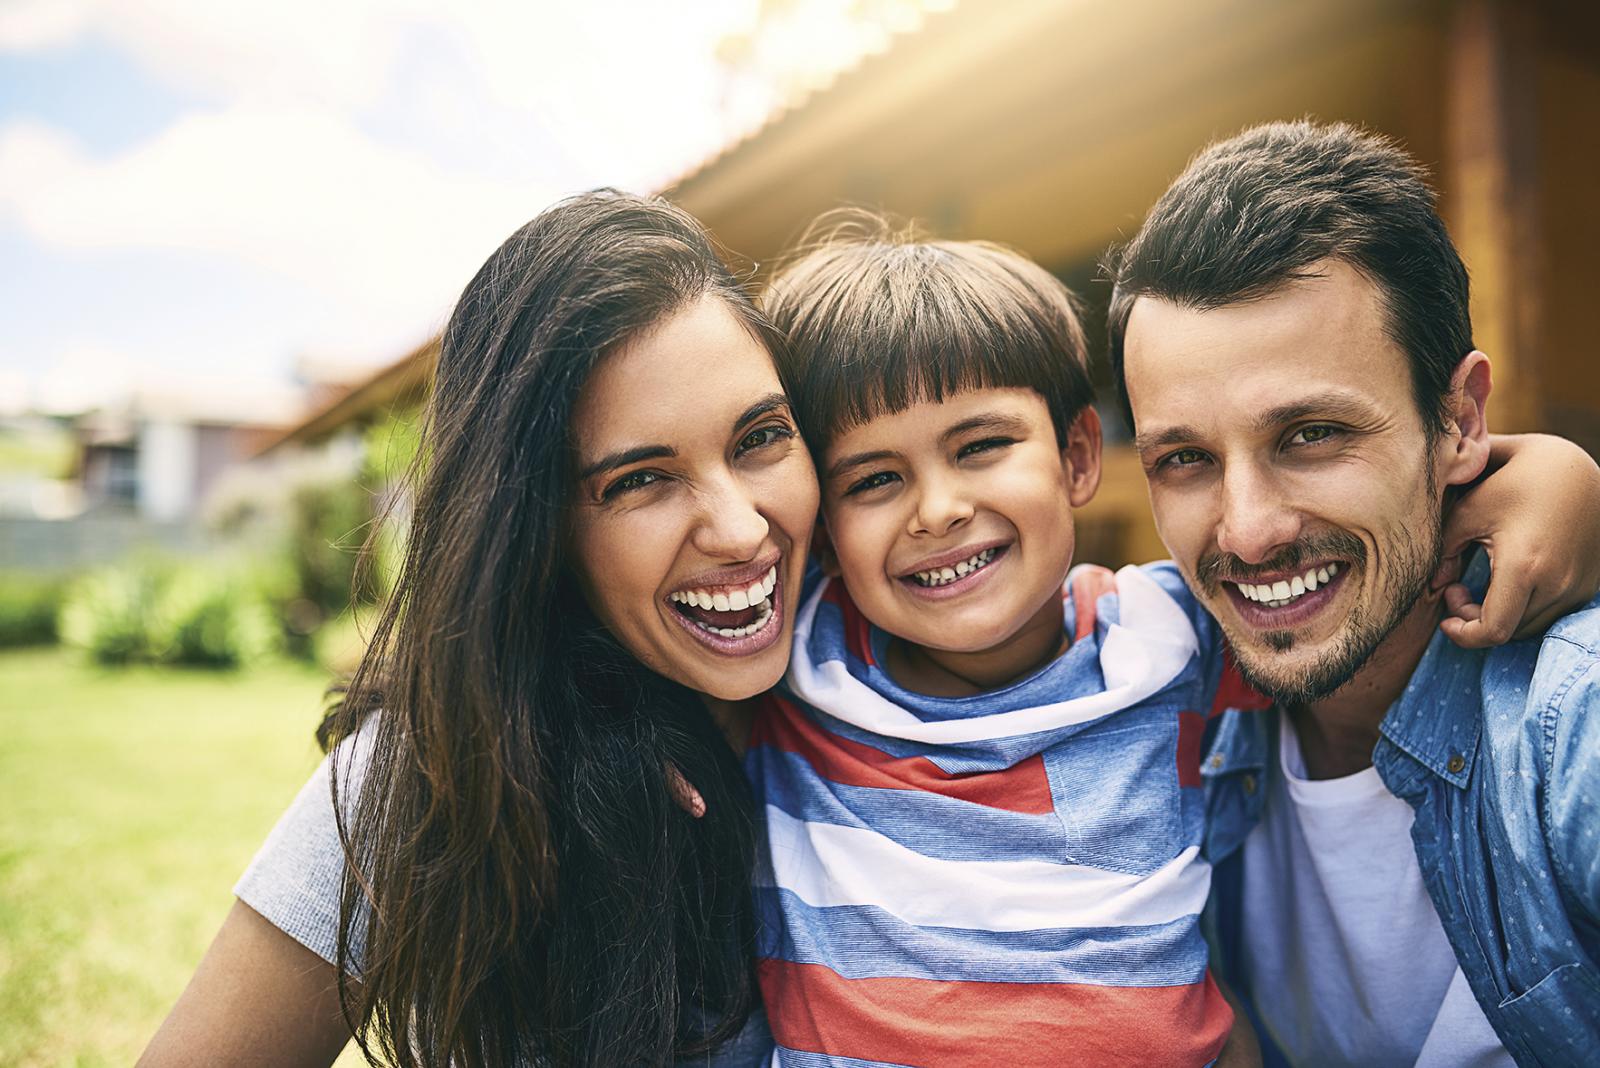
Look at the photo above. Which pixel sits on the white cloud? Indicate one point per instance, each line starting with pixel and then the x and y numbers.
pixel 30 24
pixel 301 193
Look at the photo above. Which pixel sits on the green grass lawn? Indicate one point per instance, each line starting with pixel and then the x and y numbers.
pixel 130 801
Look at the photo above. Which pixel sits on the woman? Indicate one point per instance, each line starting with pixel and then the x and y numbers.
pixel 609 454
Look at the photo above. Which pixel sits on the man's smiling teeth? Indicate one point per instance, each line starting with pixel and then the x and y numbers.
pixel 943 576
pixel 725 600
pixel 1278 594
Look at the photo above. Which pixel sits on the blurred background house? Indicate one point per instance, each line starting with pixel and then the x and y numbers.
pixel 1053 126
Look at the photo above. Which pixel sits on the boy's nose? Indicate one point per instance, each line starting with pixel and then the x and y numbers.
pixel 940 509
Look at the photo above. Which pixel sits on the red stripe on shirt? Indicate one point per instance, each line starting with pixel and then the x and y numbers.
pixel 929 1021
pixel 857 631
pixel 1233 691
pixel 1089 583
pixel 1191 730
pixel 1024 787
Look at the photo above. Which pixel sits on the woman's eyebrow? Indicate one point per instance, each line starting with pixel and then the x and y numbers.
pixel 770 403
pixel 624 457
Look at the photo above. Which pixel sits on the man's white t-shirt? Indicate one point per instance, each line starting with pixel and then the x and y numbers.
pixel 1348 962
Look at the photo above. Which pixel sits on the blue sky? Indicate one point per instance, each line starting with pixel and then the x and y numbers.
pixel 200 191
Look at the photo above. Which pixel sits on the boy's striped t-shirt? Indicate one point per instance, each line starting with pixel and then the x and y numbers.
pixel 1013 878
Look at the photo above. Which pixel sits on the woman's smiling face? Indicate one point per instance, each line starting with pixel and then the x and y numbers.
pixel 695 502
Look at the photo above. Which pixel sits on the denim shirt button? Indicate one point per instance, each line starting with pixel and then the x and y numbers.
pixel 1216 761
pixel 1455 763
pixel 1249 784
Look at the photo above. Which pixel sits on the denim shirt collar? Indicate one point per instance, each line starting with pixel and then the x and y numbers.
pixel 1437 721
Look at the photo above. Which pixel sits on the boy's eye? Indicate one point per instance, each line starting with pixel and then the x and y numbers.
pixel 1310 435
pixel 763 436
pixel 632 481
pixel 876 480
pixel 986 445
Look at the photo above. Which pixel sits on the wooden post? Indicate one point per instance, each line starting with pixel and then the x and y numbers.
pixel 1490 194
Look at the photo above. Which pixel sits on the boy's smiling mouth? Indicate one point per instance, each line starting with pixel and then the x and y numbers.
pixel 954 572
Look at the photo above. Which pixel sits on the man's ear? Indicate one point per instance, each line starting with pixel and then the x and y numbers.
pixel 822 549
pixel 1081 457
pixel 1466 443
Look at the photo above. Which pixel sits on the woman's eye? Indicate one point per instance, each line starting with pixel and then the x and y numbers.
pixel 631 481
pixel 986 445
pixel 1310 435
pixel 763 436
pixel 876 480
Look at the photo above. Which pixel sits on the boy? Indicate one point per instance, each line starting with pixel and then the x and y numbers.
pixel 984 830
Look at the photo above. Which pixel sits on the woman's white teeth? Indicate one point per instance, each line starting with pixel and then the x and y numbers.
pixel 765 607
pixel 940 576
pixel 728 600
pixel 1278 594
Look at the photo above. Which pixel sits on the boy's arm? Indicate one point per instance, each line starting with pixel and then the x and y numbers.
pixel 1537 513
pixel 1241 1050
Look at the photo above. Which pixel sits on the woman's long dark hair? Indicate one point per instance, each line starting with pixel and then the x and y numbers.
pixel 528 890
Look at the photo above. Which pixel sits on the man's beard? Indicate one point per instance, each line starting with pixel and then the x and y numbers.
pixel 1411 564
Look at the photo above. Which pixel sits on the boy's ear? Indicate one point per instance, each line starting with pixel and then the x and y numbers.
pixel 1465 445
pixel 822 549
pixel 1081 457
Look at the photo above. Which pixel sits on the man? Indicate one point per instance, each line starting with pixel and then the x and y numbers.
pixel 1408 843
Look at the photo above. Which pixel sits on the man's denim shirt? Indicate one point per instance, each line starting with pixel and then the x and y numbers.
pixel 1498 752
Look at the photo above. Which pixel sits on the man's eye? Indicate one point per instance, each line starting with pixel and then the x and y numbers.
pixel 632 481
pixel 1310 435
pixel 764 436
pixel 986 445
pixel 876 480
pixel 1184 458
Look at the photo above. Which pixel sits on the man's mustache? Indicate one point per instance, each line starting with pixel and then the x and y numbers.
pixel 1217 567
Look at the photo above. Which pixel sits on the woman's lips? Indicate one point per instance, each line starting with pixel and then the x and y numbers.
pixel 759 625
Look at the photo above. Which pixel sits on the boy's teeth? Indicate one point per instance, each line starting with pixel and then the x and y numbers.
pixel 941 576
pixel 1278 594
pixel 728 600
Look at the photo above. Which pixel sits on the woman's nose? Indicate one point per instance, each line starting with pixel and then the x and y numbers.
pixel 730 525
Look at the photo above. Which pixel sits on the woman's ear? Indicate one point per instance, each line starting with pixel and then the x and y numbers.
pixel 1466 448
pixel 822 549
pixel 1081 457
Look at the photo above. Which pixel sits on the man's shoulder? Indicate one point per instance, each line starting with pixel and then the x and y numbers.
pixel 1580 629
pixel 1561 668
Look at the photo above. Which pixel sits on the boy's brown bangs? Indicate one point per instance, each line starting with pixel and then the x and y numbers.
pixel 878 326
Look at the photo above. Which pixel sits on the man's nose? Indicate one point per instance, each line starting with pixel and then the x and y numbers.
pixel 1257 520
pixel 731 526
pixel 942 506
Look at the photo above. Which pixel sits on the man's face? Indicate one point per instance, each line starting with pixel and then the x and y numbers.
pixel 1291 474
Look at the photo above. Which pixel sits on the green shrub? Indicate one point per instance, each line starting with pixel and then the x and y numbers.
pixel 328 522
pixel 148 610
pixel 210 619
pixel 110 613
pixel 28 608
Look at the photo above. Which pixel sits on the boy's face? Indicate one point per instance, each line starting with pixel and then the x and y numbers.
pixel 951 522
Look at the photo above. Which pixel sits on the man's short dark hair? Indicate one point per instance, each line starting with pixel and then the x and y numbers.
pixel 878 320
pixel 1253 213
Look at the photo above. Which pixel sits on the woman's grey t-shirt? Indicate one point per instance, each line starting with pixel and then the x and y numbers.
pixel 296 877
